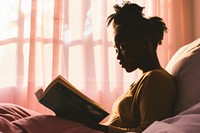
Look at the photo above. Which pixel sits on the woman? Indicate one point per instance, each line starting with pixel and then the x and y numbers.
pixel 152 97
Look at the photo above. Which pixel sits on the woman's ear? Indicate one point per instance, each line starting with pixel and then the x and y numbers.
pixel 146 41
pixel 148 46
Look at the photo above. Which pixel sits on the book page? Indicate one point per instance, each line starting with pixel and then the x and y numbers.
pixel 39 93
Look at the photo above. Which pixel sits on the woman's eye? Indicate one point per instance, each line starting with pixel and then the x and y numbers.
pixel 121 48
pixel 117 51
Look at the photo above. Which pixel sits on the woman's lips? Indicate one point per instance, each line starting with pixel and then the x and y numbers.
pixel 121 63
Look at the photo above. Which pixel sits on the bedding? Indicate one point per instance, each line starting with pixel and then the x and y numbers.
pixel 17 119
pixel 187 121
pixel 185 67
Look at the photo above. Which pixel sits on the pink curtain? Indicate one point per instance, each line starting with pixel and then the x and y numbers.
pixel 40 39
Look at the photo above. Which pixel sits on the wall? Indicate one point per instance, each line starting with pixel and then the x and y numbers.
pixel 196 19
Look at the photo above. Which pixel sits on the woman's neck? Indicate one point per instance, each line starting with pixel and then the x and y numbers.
pixel 150 64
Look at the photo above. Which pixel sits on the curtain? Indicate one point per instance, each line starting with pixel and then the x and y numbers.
pixel 40 39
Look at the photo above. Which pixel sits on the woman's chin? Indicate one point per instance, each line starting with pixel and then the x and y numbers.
pixel 129 70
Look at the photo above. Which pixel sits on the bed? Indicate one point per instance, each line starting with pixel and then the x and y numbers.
pixel 184 66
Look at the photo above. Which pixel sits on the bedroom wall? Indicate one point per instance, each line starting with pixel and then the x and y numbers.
pixel 196 18
pixel 190 20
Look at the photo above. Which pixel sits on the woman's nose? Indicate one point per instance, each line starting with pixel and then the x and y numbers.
pixel 119 55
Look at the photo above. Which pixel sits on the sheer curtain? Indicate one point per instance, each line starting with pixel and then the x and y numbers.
pixel 40 39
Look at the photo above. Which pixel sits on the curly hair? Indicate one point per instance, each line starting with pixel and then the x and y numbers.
pixel 130 18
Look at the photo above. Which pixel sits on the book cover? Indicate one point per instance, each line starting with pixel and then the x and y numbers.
pixel 68 102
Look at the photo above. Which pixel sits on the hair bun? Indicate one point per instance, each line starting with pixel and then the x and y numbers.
pixel 135 9
pixel 126 13
pixel 158 27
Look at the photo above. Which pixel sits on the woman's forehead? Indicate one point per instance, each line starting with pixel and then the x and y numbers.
pixel 119 37
pixel 119 41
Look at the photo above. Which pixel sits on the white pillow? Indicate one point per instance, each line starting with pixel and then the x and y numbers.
pixel 185 67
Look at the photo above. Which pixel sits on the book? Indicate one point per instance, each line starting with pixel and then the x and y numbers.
pixel 68 102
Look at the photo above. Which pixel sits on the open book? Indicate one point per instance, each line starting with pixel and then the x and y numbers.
pixel 68 102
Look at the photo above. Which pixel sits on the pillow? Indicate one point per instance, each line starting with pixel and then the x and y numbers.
pixel 186 122
pixel 162 127
pixel 12 112
pixel 185 67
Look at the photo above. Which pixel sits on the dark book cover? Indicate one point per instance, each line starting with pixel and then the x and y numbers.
pixel 68 102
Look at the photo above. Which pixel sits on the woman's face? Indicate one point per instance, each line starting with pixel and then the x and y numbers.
pixel 130 52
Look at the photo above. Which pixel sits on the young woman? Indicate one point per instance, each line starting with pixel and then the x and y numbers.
pixel 152 97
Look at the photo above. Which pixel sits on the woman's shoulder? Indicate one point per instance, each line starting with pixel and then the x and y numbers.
pixel 158 73
pixel 159 76
pixel 158 79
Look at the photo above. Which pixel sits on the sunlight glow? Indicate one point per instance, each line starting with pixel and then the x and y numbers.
pixel 25 6
pixel 88 24
pixel 9 16
pixel 112 68
pixel 66 34
pixel 76 66
pixel 8 65
pixel 98 65
pixel 75 21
